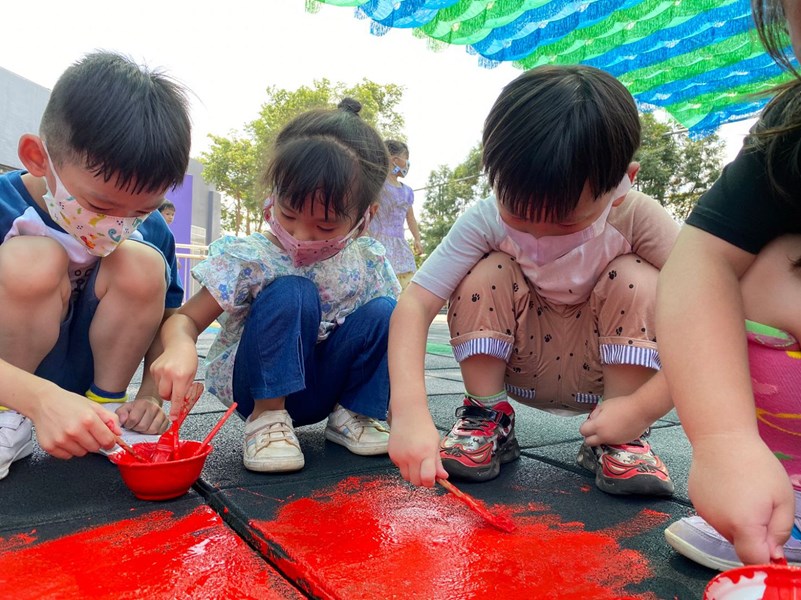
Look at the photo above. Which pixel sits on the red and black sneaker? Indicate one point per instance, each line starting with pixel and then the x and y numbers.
pixel 481 439
pixel 630 468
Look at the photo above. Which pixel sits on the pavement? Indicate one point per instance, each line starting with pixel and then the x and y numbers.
pixel 346 527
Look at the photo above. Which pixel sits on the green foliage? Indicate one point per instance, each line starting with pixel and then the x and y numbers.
pixel 448 193
pixel 674 169
pixel 234 163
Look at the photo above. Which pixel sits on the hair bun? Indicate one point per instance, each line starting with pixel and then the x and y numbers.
pixel 350 105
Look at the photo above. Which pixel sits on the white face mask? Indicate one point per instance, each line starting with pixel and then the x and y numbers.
pixel 100 234
pixel 546 249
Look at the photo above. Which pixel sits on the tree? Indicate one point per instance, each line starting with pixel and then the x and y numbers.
pixel 448 193
pixel 234 163
pixel 674 168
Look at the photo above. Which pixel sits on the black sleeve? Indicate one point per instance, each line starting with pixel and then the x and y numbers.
pixel 743 209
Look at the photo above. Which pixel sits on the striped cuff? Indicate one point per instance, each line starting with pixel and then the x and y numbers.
pixel 486 346
pixel 520 392
pixel 619 354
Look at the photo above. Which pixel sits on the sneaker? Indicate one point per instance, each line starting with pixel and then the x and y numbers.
pixel 16 439
pixel 359 434
pixel 129 436
pixel 630 468
pixel 480 441
pixel 270 443
pixel 697 540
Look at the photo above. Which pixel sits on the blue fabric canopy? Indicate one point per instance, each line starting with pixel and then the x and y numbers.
pixel 699 60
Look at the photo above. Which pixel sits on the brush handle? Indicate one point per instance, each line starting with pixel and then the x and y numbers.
pixel 216 428
pixel 125 446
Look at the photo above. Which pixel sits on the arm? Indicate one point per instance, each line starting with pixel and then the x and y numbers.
pixel 413 440
pixel 174 370
pixel 67 424
pixel 700 324
pixel 412 223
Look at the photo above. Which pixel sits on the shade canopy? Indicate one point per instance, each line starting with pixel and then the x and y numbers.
pixel 699 60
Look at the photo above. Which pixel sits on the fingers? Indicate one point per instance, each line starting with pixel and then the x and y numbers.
pixel 779 528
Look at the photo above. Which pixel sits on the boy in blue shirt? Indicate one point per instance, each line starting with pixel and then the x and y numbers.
pixel 87 274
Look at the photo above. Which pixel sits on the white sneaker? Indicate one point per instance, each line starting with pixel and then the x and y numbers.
pixel 359 434
pixel 271 445
pixel 129 436
pixel 16 439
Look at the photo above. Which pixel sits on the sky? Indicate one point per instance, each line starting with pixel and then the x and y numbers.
pixel 228 53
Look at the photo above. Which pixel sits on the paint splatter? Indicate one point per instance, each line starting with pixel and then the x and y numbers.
pixel 156 556
pixel 377 538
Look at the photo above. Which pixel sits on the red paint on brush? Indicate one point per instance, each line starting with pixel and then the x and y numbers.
pixel 377 538
pixel 156 556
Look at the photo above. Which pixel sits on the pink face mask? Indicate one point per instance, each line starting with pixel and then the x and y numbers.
pixel 305 253
pixel 546 249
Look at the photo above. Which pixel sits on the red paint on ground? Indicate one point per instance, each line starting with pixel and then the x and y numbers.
pixel 377 538
pixel 157 556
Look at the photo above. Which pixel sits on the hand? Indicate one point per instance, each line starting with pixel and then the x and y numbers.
pixel 173 372
pixel 615 421
pixel 414 448
pixel 739 487
pixel 143 415
pixel 70 425
pixel 418 247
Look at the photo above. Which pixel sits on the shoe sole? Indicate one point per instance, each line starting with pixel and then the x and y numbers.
pixel 338 438
pixel 509 453
pixel 647 485
pixel 26 450
pixel 275 465
pixel 702 558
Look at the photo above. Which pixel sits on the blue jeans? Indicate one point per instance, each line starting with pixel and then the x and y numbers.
pixel 279 355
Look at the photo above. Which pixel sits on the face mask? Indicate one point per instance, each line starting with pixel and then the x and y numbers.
pixel 305 253
pixel 402 171
pixel 546 249
pixel 100 234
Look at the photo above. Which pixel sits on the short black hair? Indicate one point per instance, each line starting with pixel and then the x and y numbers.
pixel 119 120
pixel 396 147
pixel 330 155
pixel 166 205
pixel 551 131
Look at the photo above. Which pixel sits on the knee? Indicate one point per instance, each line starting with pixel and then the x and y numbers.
pixel 136 271
pixel 290 294
pixel 495 270
pixel 32 267
pixel 378 312
pixel 631 272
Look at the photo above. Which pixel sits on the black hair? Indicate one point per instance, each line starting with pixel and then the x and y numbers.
pixel 119 120
pixel 331 156
pixel 166 205
pixel 778 131
pixel 396 147
pixel 551 131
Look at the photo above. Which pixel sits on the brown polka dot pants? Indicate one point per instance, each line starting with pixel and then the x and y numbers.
pixel 553 352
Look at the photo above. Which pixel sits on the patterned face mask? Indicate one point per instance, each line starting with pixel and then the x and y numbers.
pixel 402 171
pixel 305 253
pixel 100 234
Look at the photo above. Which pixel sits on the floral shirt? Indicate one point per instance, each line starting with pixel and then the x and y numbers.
pixel 237 269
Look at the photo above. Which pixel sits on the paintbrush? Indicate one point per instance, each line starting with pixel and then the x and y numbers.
pixel 502 522
pixel 125 446
pixel 216 428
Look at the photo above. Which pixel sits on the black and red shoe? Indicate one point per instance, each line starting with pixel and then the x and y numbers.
pixel 631 468
pixel 480 441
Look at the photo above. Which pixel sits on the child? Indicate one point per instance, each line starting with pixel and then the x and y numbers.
pixel 306 307
pixel 395 208
pixel 552 290
pixel 167 210
pixel 77 319
pixel 738 258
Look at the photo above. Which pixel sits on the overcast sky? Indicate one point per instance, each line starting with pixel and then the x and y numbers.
pixel 228 53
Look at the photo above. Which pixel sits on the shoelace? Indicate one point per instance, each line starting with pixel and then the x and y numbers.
pixel 363 422
pixel 264 434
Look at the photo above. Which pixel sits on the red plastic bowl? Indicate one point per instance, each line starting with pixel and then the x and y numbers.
pixel 756 582
pixel 162 480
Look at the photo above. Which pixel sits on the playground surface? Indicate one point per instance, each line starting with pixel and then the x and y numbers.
pixel 346 527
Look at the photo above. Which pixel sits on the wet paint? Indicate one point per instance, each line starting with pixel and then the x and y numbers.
pixel 756 582
pixel 156 556
pixel 378 538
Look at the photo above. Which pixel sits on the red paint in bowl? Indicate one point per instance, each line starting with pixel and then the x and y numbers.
pixel 162 480
pixel 756 582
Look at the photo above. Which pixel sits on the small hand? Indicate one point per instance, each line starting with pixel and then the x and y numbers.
pixel 614 421
pixel 414 449
pixel 143 415
pixel 418 247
